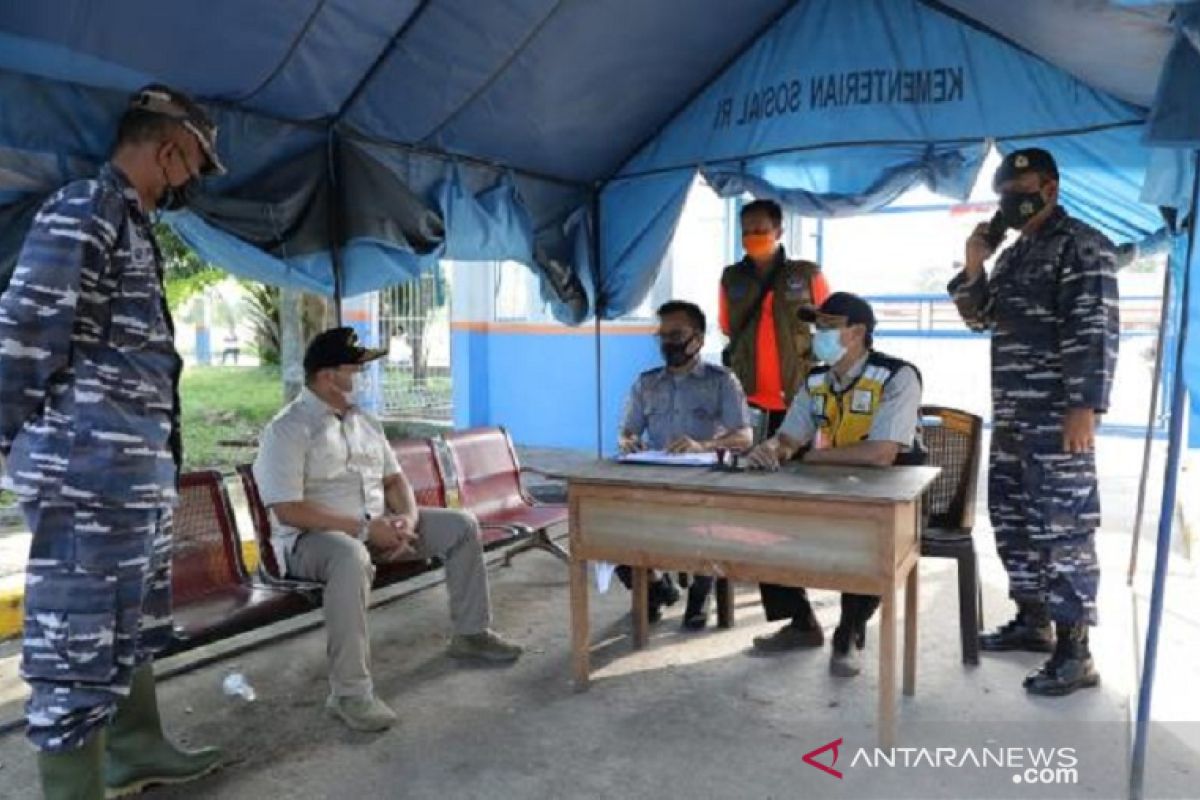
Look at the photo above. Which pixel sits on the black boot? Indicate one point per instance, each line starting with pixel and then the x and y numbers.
pixel 662 593
pixel 1069 668
pixel 1028 630
pixel 695 616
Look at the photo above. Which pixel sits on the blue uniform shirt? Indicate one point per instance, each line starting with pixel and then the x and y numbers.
pixel 89 376
pixel 703 403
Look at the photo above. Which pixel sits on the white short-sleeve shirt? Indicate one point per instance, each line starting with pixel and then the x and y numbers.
pixel 309 452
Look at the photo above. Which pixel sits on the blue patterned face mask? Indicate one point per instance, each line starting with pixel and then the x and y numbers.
pixel 828 347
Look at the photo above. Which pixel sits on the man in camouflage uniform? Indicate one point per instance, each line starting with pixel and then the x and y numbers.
pixel 89 424
pixel 685 406
pixel 1051 305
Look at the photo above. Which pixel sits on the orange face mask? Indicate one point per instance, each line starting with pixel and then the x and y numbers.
pixel 759 245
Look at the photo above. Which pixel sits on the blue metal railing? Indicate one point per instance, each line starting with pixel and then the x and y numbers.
pixel 934 316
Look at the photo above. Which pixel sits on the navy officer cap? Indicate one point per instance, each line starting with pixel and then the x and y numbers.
pixel 1019 162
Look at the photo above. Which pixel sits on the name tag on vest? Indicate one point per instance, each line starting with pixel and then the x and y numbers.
pixel 860 401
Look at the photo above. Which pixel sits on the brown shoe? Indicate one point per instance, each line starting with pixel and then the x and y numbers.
pixel 790 637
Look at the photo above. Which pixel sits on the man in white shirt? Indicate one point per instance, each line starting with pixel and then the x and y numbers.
pixel 338 502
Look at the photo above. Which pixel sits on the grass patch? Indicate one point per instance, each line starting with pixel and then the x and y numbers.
pixel 226 408
pixel 226 404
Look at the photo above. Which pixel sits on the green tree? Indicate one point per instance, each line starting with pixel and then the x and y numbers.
pixel 186 274
pixel 262 309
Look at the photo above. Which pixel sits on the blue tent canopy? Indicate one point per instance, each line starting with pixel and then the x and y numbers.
pixel 369 138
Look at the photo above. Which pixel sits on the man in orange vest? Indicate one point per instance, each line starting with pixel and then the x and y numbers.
pixel 770 346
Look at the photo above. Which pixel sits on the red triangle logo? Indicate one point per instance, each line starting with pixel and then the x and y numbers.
pixel 810 758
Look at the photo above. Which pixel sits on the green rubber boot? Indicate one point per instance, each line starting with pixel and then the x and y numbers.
pixel 139 755
pixel 74 774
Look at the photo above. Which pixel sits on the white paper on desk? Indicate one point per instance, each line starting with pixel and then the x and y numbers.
pixel 666 459
pixel 603 572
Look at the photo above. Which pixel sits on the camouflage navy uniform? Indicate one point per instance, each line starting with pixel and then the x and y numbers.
pixel 89 424
pixel 1051 305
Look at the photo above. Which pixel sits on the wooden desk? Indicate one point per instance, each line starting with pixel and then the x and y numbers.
pixel 851 529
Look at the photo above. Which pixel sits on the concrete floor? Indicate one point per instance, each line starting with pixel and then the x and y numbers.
pixel 692 716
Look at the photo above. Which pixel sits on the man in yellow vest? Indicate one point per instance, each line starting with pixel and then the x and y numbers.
pixel 861 409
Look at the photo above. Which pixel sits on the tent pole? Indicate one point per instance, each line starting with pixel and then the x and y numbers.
pixel 1163 317
pixel 335 225
pixel 596 310
pixel 1166 518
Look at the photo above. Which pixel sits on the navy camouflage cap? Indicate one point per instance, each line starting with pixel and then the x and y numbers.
pixel 1019 162
pixel 167 102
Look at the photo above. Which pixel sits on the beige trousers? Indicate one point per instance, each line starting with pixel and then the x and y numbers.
pixel 343 565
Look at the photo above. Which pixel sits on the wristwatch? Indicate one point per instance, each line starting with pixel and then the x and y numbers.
pixel 364 528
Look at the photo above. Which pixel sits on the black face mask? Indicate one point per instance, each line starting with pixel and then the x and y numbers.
pixel 175 198
pixel 676 353
pixel 1019 207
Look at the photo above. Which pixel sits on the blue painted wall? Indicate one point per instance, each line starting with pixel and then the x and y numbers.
pixel 542 386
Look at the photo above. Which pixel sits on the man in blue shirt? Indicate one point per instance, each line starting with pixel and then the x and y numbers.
pixel 89 425
pixel 685 406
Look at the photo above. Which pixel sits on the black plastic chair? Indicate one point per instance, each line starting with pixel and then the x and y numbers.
pixel 954 439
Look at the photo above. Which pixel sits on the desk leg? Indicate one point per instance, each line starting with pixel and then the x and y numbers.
pixel 580 633
pixel 910 629
pixel 641 607
pixel 725 602
pixel 887 670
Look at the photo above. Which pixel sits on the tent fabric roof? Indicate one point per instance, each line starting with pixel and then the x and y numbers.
pixel 1065 33
pixel 559 88
pixel 508 120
